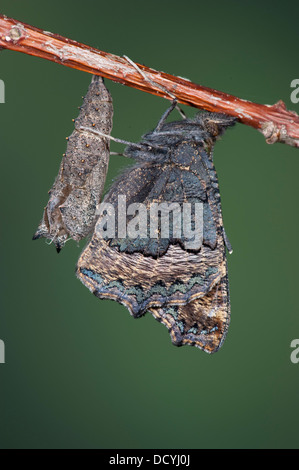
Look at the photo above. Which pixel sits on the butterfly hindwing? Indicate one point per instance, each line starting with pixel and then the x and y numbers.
pixel 202 323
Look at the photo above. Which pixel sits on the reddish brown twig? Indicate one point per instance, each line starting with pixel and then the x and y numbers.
pixel 275 122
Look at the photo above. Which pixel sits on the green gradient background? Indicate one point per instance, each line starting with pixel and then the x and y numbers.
pixel 81 372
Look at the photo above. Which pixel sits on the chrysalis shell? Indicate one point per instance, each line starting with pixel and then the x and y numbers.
pixel 71 209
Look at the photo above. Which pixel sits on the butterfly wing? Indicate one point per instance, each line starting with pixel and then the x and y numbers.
pixel 202 322
pixel 186 290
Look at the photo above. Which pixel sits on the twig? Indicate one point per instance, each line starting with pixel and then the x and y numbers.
pixel 275 122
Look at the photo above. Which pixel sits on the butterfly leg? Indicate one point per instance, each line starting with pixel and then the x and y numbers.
pixel 165 116
pixel 152 82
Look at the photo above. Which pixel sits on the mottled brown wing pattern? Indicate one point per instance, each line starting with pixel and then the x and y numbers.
pixel 186 291
pixel 141 282
pixel 202 322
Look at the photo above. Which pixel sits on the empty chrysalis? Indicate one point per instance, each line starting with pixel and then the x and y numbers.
pixel 71 209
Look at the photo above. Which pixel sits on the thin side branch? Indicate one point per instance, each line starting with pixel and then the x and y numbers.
pixel 275 122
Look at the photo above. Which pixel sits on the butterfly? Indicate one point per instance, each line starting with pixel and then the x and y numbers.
pixel 185 287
